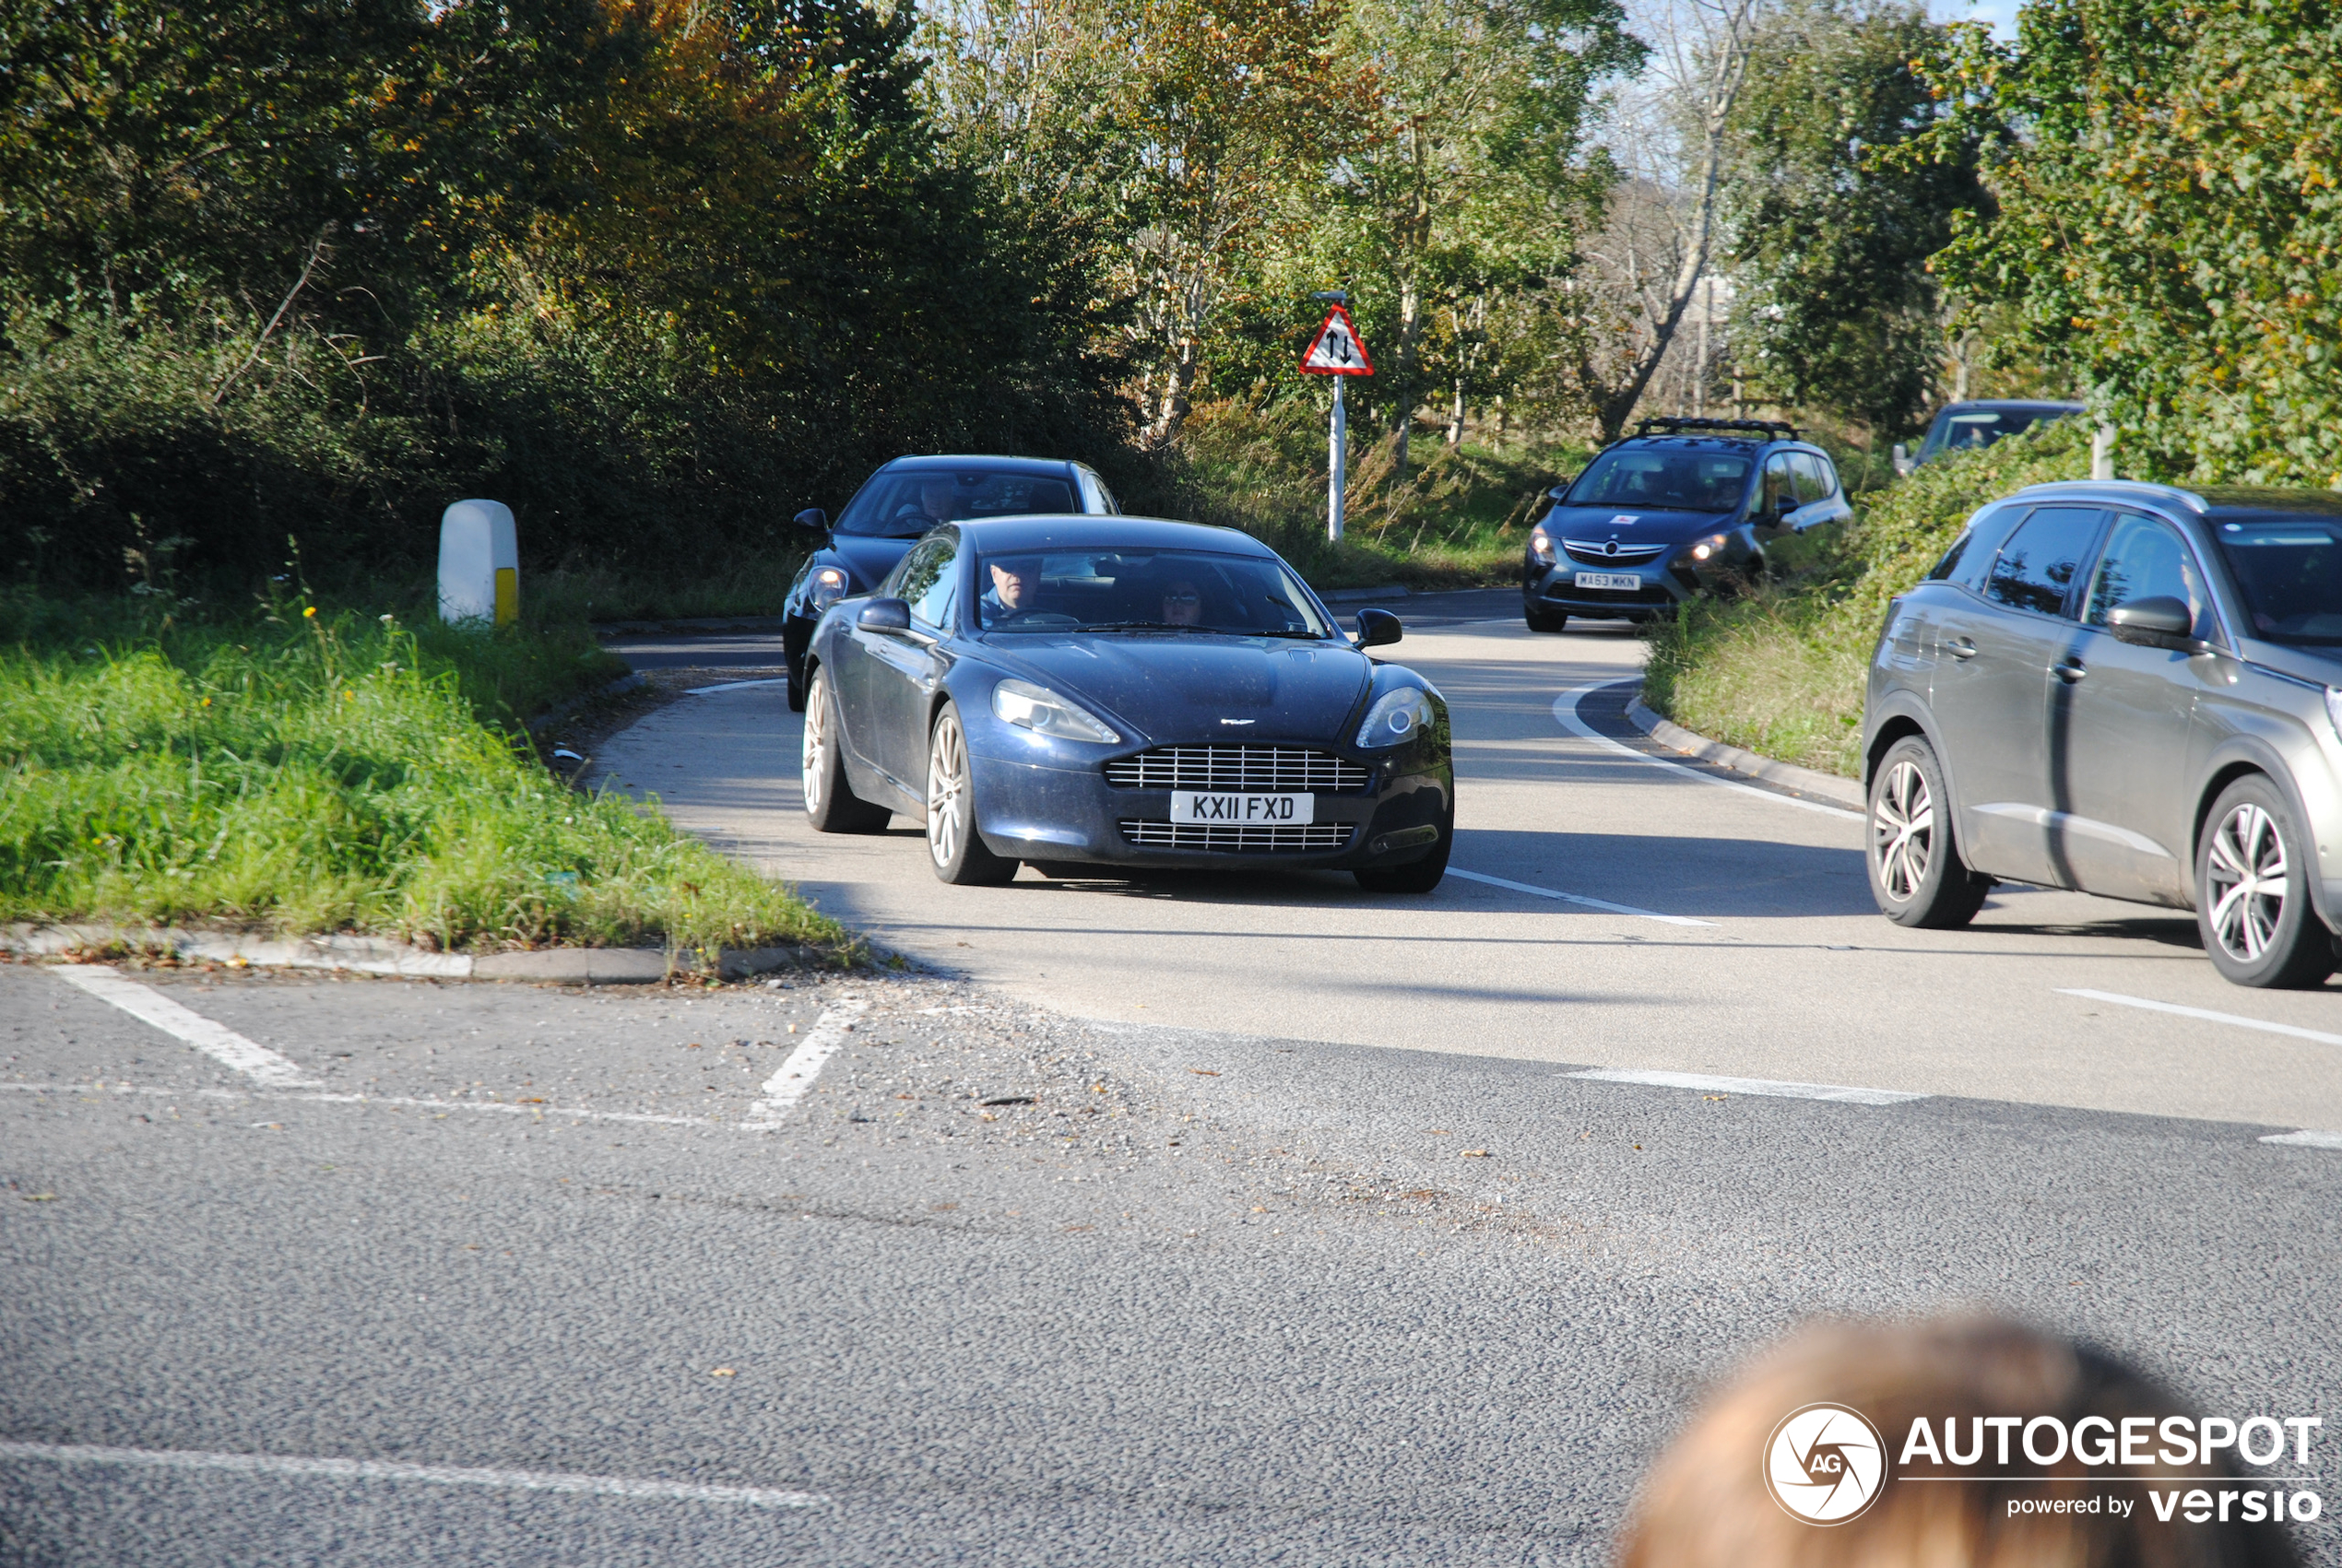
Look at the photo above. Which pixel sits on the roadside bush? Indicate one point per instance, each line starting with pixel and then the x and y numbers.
pixel 332 772
pixel 1782 670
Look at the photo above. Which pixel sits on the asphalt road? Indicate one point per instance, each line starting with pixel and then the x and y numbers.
pixel 1151 1241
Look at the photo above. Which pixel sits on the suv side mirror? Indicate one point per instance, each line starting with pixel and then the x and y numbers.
pixel 1377 627
pixel 1560 492
pixel 2160 622
pixel 814 517
pixel 1903 464
pixel 886 615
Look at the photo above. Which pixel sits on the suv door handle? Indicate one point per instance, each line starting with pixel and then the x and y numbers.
pixel 1960 648
pixel 2069 672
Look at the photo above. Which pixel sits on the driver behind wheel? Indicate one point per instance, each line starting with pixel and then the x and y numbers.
pixel 1016 584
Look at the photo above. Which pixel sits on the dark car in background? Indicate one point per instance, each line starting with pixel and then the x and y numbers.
pixel 1681 507
pixel 1083 691
pixel 902 502
pixel 2129 689
pixel 1964 427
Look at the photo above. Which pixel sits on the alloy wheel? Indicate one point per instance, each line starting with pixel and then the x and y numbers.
pixel 947 788
pixel 1903 831
pixel 2246 871
pixel 815 760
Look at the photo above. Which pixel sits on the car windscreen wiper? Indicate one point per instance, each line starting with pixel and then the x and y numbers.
pixel 1144 626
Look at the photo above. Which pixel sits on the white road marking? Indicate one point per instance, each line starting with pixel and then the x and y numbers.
pixel 734 686
pixel 384 1470
pixel 507 1107
pixel 1839 1093
pixel 216 1040
pixel 2206 1014
pixel 2308 1137
pixel 1566 714
pixel 787 1087
pixel 1576 898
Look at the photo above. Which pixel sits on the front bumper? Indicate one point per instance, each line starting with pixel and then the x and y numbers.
pixel 1667 583
pixel 1033 811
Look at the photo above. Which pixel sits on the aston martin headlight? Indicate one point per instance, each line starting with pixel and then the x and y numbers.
pixel 829 586
pixel 1396 717
pixel 1540 546
pixel 2334 708
pixel 1710 547
pixel 1042 711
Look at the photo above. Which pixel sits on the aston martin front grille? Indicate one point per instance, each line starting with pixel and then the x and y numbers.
pixel 1594 552
pixel 1261 769
pixel 1242 840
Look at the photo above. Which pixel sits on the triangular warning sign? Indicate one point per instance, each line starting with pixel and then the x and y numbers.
pixel 1336 351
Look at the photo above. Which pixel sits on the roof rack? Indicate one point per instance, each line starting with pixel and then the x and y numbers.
pixel 1678 425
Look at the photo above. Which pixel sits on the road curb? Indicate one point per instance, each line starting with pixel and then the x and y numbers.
pixel 376 955
pixel 1804 781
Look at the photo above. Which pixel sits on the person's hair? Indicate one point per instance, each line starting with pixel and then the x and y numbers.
pixel 1706 1503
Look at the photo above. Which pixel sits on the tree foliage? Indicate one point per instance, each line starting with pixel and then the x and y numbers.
pixel 2168 218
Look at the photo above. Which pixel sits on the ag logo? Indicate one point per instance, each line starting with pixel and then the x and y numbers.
pixel 1824 1464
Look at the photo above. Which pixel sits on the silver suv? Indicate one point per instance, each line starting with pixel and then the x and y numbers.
pixel 2128 689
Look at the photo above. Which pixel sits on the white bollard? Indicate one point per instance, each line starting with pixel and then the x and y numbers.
pixel 479 564
pixel 2102 452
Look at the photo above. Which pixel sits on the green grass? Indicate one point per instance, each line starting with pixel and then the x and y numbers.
pixel 304 771
pixel 1458 520
pixel 1782 671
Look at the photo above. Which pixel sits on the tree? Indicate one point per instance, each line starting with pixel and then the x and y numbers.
pixel 2167 218
pixel 1833 222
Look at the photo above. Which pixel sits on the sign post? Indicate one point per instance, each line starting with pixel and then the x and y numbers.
pixel 1337 352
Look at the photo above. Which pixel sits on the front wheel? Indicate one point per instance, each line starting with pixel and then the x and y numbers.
pixel 952 844
pixel 830 802
pixel 1542 619
pixel 1416 876
pixel 2253 892
pixel 1915 871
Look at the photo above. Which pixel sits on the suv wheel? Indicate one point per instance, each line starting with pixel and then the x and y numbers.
pixel 1915 869
pixel 2253 892
pixel 1541 619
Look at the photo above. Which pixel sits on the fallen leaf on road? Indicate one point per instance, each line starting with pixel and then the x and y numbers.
pixel 723 1371
pixel 1475 1154
pixel 1204 1072
pixel 1093 1227
pixel 530 1100
pixel 941 1208
pixel 39 1196
pixel 1259 1208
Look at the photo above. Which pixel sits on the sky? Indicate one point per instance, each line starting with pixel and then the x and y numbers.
pixel 2000 14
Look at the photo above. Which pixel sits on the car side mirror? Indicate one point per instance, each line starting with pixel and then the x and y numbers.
pixel 2158 622
pixel 1560 492
pixel 1902 458
pixel 1785 503
pixel 886 615
pixel 1377 628
pixel 814 518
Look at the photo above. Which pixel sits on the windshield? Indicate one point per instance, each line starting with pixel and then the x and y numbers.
pixel 1967 428
pixel 1664 479
pixel 1144 591
pixel 904 504
pixel 2291 571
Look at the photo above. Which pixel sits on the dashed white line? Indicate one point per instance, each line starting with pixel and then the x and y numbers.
pixel 2206 1014
pixel 1839 1093
pixel 216 1040
pixel 734 686
pixel 2308 1137
pixel 1566 714
pixel 1604 904
pixel 787 1087
pixel 388 1470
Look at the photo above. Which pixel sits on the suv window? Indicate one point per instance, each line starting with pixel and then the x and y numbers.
pixel 1662 480
pixel 2145 560
pixel 1779 481
pixel 1814 478
pixel 2037 567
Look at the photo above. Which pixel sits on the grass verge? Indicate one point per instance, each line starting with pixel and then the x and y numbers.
pixel 1782 671
pixel 311 770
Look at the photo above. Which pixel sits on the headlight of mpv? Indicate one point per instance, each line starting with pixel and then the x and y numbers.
pixel 829 586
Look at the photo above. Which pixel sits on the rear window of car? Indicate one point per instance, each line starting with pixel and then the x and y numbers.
pixel 1663 480
pixel 904 504
pixel 1969 559
pixel 2036 568
pixel 2289 569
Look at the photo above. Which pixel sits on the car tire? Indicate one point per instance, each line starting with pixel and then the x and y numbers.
pixel 953 846
pixel 1546 620
pixel 1916 874
pixel 2252 891
pixel 1416 876
pixel 796 689
pixel 831 804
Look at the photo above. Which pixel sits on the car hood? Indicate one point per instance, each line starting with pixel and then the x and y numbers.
pixel 2321 666
pixel 1179 686
pixel 1630 527
pixel 868 558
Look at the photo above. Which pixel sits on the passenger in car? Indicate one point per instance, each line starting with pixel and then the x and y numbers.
pixel 1182 603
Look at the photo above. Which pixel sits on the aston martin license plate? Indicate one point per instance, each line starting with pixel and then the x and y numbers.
pixel 1626 580
pixel 1195 806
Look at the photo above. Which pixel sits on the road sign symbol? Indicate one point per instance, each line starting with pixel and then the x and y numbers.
pixel 1336 351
